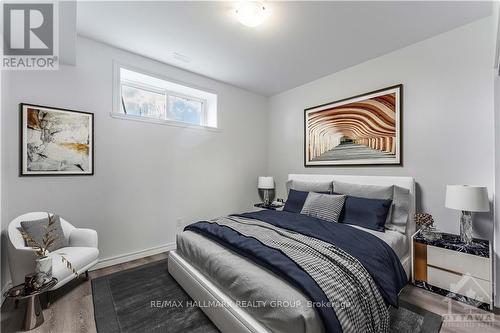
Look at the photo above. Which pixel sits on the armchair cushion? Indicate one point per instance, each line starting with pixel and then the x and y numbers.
pixel 36 230
pixel 83 237
pixel 79 257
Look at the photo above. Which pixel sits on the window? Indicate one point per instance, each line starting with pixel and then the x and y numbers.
pixel 139 101
pixel 148 98
pixel 185 110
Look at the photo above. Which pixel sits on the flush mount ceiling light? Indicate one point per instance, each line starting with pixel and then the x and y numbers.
pixel 251 13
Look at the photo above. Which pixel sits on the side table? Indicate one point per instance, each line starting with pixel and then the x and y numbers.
pixel 34 315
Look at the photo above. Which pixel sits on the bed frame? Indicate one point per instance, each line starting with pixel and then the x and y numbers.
pixel 230 318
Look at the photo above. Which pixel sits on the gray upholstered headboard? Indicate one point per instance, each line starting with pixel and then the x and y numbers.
pixel 404 182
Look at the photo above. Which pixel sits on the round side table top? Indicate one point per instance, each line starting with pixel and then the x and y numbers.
pixel 19 292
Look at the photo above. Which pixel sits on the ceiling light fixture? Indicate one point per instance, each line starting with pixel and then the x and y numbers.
pixel 251 13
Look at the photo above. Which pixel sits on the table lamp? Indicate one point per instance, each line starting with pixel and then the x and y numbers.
pixel 266 189
pixel 467 199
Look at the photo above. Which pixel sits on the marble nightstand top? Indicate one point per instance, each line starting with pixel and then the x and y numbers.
pixel 479 247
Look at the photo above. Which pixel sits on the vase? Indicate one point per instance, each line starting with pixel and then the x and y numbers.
pixel 430 233
pixel 43 267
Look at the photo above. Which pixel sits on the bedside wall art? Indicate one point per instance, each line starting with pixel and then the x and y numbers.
pixel 56 142
pixel 360 130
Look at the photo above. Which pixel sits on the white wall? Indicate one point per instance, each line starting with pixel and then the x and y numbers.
pixel 448 120
pixel 4 272
pixel 496 35
pixel 448 132
pixel 497 186
pixel 146 175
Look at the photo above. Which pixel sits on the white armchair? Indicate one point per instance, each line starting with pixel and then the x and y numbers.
pixel 82 251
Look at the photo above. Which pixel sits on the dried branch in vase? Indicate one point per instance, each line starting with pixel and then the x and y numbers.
pixel 424 220
pixel 41 250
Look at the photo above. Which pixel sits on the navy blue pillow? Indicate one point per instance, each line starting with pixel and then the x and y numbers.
pixel 366 213
pixel 295 201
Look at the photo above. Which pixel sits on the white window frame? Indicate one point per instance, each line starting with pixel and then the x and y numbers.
pixel 117 102
pixel 192 98
pixel 140 86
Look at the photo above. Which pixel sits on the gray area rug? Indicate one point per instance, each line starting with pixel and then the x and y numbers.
pixel 148 299
pixel 411 318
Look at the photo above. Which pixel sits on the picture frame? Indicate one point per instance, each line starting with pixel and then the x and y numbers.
pixel 55 141
pixel 363 130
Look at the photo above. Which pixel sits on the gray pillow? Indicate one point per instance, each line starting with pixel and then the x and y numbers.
pixel 398 214
pixel 364 191
pixel 323 206
pixel 309 186
pixel 36 230
pixel 400 210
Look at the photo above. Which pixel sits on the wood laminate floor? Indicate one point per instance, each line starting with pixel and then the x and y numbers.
pixel 72 310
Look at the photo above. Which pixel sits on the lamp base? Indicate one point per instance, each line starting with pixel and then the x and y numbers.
pixel 267 195
pixel 466 227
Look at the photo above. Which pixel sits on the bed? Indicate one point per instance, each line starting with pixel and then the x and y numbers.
pixel 235 293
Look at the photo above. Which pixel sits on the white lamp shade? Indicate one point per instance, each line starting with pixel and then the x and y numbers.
pixel 467 198
pixel 266 183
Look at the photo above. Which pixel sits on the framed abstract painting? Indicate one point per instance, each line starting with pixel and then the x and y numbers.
pixel 56 142
pixel 360 130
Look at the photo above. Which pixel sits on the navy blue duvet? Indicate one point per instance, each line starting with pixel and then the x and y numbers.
pixel 374 254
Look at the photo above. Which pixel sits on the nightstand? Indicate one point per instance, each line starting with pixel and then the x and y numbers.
pixel 271 206
pixel 451 268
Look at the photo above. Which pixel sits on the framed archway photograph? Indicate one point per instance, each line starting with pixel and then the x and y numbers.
pixel 359 130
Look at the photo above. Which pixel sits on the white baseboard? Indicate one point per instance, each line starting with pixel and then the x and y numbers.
pixel 113 261
pixel 133 255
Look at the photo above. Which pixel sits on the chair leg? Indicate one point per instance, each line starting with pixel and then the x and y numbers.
pixel 49 299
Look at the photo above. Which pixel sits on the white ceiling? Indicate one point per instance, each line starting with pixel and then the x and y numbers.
pixel 300 41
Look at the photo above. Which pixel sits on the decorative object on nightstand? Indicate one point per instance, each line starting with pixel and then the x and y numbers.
pixel 272 206
pixel 266 189
pixel 467 199
pixel 424 220
pixel 425 223
pixel 452 268
pixel 33 316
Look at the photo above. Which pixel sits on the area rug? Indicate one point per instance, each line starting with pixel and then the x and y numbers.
pixel 148 299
